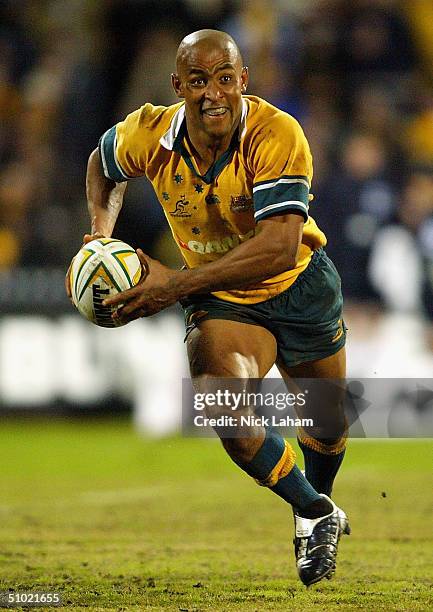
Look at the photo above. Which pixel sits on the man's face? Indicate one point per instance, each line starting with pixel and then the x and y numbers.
pixel 211 80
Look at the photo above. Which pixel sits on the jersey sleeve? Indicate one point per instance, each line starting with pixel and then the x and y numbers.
pixel 282 168
pixel 123 148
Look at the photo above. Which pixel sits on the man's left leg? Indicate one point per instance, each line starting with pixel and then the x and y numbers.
pixel 323 446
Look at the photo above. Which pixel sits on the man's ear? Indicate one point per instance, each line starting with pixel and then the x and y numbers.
pixel 244 79
pixel 177 85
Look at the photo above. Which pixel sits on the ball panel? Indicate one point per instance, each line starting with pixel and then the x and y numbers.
pixel 126 260
pixel 101 272
pixel 79 273
pixel 105 241
pixel 99 314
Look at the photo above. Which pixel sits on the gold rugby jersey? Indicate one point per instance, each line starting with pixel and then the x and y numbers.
pixel 267 169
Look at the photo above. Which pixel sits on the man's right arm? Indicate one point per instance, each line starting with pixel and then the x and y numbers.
pixel 120 156
pixel 104 201
pixel 104 197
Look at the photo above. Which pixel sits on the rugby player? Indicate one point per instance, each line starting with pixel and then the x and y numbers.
pixel 233 175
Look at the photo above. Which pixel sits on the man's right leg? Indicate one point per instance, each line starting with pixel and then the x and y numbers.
pixel 230 353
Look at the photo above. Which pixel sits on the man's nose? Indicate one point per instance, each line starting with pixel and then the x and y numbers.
pixel 213 90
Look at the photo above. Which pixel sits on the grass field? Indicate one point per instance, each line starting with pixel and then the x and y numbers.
pixel 113 521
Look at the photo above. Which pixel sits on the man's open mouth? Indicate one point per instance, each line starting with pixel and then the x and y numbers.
pixel 214 112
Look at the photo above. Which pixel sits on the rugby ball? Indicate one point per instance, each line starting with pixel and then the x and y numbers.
pixel 102 268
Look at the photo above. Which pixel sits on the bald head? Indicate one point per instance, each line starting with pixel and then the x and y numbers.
pixel 211 79
pixel 207 40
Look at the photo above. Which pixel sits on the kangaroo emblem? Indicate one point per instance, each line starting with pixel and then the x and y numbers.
pixel 179 209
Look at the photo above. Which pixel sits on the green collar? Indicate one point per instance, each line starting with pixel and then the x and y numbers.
pixel 217 167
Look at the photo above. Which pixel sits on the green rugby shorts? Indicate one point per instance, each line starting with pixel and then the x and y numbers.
pixel 305 319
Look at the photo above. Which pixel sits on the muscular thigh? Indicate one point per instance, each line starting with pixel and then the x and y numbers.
pixel 224 348
pixel 228 356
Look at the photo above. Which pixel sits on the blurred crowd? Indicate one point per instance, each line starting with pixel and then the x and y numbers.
pixel 358 76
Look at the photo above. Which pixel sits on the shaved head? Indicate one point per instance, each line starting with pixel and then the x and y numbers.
pixel 207 40
pixel 211 78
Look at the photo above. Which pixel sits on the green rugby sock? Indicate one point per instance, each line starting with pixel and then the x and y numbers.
pixel 321 469
pixel 294 488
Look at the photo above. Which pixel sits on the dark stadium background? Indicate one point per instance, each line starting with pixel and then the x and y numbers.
pixel 358 76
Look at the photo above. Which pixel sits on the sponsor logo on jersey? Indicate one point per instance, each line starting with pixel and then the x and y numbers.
pixel 241 203
pixel 221 245
pixel 179 210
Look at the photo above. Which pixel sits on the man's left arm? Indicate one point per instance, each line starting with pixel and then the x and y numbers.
pixel 272 250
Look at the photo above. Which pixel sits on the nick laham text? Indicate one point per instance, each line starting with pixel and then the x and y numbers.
pixel 251 421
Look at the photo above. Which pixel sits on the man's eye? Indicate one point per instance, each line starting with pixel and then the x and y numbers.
pixel 226 78
pixel 197 82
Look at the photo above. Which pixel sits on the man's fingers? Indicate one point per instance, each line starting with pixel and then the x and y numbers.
pixel 121 298
pixel 68 282
pixel 145 262
pixel 129 313
pixel 129 308
pixel 89 237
